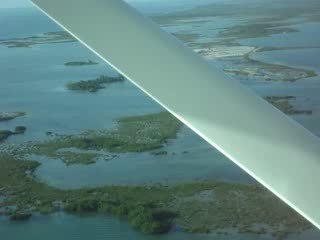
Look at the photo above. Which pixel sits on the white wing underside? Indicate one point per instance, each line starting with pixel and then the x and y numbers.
pixel 275 150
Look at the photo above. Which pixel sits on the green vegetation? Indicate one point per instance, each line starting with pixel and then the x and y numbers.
pixel 80 63
pixel 7 116
pixel 4 134
pixel 280 13
pixel 20 216
pixel 145 216
pixel 270 49
pixel 20 129
pixel 254 30
pixel 45 38
pixel 94 85
pixel 133 134
pixel 248 67
pixel 195 207
pixel 253 27
pixel 258 21
pixel 283 104
pixel 70 158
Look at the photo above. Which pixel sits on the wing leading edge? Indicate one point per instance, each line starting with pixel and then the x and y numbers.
pixel 275 150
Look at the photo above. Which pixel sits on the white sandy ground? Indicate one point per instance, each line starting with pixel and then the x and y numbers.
pixel 9 114
pixel 224 51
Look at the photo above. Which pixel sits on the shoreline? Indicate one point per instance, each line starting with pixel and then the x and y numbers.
pixel 176 204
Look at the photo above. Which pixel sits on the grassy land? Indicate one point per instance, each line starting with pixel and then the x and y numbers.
pixel 133 134
pixel 80 63
pixel 283 104
pixel 93 85
pixel 200 207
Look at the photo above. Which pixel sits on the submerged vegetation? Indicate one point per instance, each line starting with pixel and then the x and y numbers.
pixel 95 84
pixel 201 207
pixel 80 63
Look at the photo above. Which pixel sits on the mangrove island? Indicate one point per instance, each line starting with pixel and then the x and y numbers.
pixel 95 84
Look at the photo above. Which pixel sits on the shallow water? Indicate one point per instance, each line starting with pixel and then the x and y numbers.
pixel 307 58
pixel 188 159
pixel 308 36
pixel 23 23
pixel 306 90
pixel 64 226
pixel 34 82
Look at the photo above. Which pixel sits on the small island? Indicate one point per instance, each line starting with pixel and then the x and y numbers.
pixel 7 116
pixel 142 133
pixel 95 84
pixel 20 216
pixel 4 134
pixel 247 67
pixel 72 158
pixel 196 207
pixel 45 38
pixel 80 63
pixel 284 105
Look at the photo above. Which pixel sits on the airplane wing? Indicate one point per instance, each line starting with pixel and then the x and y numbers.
pixel 271 147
